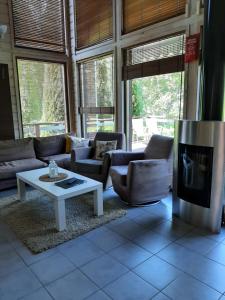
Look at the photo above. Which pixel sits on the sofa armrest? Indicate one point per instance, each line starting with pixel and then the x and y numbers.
pixel 142 172
pixel 80 153
pixel 121 157
pixel 112 152
pixel 107 161
pixel 91 143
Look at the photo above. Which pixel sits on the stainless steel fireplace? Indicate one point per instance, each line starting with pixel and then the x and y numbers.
pixel 198 186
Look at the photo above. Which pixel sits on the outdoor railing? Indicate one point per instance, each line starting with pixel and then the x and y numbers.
pixel 43 128
pixel 94 125
pixel 143 128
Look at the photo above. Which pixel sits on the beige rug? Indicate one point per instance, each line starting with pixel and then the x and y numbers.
pixel 34 222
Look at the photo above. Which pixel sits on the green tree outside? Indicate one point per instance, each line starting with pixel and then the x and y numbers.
pixel 53 94
pixel 157 96
pixel 31 75
pixel 138 101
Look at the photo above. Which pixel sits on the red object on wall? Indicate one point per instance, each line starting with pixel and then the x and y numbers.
pixel 192 48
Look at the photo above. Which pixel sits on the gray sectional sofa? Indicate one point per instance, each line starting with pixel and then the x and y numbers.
pixel 28 154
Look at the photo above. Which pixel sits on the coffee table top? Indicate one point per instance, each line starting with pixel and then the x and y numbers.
pixel 32 178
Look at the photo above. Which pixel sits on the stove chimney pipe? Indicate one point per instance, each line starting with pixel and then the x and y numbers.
pixel 213 62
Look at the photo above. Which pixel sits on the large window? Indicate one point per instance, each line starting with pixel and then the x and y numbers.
pixel 155 74
pixel 39 24
pixel 97 97
pixel 42 96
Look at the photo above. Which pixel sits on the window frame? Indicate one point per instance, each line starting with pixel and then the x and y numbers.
pixel 127 122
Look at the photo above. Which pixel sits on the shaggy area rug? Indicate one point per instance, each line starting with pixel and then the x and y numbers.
pixel 33 221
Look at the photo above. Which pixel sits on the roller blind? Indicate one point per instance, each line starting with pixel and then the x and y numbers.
pixel 93 22
pixel 39 24
pixel 140 13
pixel 97 86
pixel 156 58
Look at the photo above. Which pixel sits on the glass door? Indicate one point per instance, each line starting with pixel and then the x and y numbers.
pixel 156 101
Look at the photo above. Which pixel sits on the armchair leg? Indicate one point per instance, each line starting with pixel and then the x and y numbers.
pixel 108 183
pixel 141 204
pixel 146 203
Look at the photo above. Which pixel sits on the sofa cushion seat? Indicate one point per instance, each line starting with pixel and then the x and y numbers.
pixel 62 160
pixel 9 169
pixel 120 173
pixel 92 166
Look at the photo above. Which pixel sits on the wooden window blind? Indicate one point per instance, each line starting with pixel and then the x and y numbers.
pixel 39 24
pixel 93 22
pixel 156 58
pixel 141 13
pixel 97 86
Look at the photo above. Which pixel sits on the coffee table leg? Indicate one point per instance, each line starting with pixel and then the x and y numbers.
pixel 60 214
pixel 98 202
pixel 21 190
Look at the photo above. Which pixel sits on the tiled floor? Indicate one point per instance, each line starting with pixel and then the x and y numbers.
pixel 144 255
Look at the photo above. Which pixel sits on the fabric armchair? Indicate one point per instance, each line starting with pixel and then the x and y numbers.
pixel 83 159
pixel 80 153
pixel 123 158
pixel 143 177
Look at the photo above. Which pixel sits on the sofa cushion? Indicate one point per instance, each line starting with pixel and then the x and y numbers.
pixel 73 142
pixel 159 147
pixel 110 136
pixel 62 160
pixel 92 166
pixel 9 169
pixel 51 145
pixel 119 173
pixel 102 147
pixel 16 149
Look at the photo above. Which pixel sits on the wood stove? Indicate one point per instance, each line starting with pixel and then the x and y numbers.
pixel 198 188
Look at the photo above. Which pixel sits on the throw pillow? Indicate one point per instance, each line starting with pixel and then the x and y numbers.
pixel 102 147
pixel 68 143
pixel 77 142
pixel 73 142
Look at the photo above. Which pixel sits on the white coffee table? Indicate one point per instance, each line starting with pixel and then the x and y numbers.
pixel 58 194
